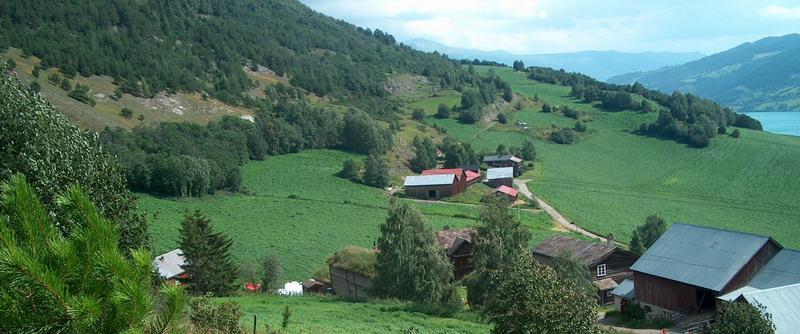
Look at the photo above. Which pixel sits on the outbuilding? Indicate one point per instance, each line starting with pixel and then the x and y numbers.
pixel 431 187
pixel 458 247
pixel 505 160
pixel 506 191
pixel 170 266
pixel 496 177
pixel 460 182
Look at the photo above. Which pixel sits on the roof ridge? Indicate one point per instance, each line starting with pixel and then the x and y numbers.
pixel 722 229
pixel 770 289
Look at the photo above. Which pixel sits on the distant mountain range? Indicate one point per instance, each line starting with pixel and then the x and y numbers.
pixel 758 76
pixel 598 64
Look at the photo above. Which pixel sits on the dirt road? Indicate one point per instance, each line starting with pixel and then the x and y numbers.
pixel 558 217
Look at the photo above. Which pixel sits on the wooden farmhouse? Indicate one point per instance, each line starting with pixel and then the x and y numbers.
pixel 460 183
pixel 496 177
pixel 505 161
pixel 170 266
pixel 690 269
pixel 431 187
pixel 608 264
pixel 458 247
pixel 352 270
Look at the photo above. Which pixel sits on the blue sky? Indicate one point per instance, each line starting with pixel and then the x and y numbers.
pixel 547 26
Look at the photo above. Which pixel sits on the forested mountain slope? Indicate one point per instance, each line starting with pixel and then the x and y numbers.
pixel 206 46
pixel 759 76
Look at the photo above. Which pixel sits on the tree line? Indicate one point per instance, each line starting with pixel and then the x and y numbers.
pixel 686 118
pixel 185 159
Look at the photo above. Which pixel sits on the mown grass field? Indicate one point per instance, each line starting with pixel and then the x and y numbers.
pixel 325 315
pixel 302 212
pixel 612 179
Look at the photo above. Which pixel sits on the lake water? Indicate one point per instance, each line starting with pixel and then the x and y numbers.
pixel 787 123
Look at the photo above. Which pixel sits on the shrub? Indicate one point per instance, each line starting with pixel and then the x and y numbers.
pixel 470 115
pixel 212 317
pixel 571 113
pixel 735 133
pixel 418 114
pixel 81 94
pixel 65 84
pixel 698 140
pixel 502 118
pixel 547 108
pixel 287 314
pixel 35 87
pixel 563 136
pixel 443 111
pixel 580 127
pixel 722 130
pixel 349 170
pixel 634 311
pixel 126 113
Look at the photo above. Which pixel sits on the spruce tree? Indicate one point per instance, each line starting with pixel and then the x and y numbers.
pixel 410 265
pixel 376 172
pixel 497 241
pixel 208 257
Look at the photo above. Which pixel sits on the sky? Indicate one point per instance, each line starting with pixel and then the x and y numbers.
pixel 550 26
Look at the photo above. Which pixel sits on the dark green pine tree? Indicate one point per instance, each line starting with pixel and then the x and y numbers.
pixel 208 257
pixel 497 242
pixel 410 265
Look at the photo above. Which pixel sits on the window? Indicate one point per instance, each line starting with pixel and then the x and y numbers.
pixel 608 293
pixel 601 270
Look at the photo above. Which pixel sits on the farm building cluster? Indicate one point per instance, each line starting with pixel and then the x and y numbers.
pixel 435 184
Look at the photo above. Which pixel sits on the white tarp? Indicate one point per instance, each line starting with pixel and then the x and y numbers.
pixel 291 289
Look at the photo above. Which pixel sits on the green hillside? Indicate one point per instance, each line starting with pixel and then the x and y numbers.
pixel 300 211
pixel 757 76
pixel 612 179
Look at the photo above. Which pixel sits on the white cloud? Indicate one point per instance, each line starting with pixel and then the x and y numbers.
pixel 782 11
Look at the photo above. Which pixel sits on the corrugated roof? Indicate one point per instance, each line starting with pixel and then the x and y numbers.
pixel 472 175
pixel 169 264
pixel 587 251
pixel 498 158
pixel 783 269
pixel 507 190
pixel 625 290
pixel 500 173
pixel 428 180
pixel 700 256
pixel 782 303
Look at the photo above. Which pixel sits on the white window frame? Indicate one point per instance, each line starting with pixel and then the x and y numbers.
pixel 601 270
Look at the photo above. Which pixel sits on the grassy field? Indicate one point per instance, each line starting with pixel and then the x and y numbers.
pixel 299 210
pixel 324 315
pixel 612 179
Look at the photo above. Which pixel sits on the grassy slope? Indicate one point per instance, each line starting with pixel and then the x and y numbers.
pixel 312 314
pixel 611 180
pixel 327 214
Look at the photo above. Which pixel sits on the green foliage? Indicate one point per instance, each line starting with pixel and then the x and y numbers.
pixel 646 235
pixel 216 318
pixel 270 272
pixel 528 151
pixel 470 115
pixel 411 266
pixel 350 170
pixel 208 259
pixel 502 118
pixel 418 114
pixel 54 79
pixel 38 140
pixel 563 136
pixel 579 126
pixel 376 171
pixel 443 111
pixel 499 239
pixel 65 84
pixel 35 86
pixel 362 134
pixel 742 318
pixel 287 314
pixel 519 65
pixel 425 154
pixel 547 108
pixel 634 311
pixel 569 268
pixel 81 94
pixel 202 46
pixel 77 284
pixel 127 113
pixel 458 154
pixel 735 133
pixel 530 298
pixel 360 260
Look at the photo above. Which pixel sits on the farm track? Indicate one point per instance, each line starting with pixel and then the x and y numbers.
pixel 557 217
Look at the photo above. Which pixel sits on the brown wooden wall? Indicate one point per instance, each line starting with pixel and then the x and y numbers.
pixel 421 192
pixel 752 267
pixel 509 182
pixel 618 266
pixel 349 284
pixel 664 293
pixel 462 261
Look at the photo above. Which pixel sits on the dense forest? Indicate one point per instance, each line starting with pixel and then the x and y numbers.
pixel 202 45
pixel 688 118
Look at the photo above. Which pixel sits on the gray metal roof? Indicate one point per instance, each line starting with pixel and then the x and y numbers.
pixel 625 289
pixel 497 158
pixel 169 264
pixel 700 256
pixel 783 269
pixel 428 180
pixel 500 173
pixel 782 303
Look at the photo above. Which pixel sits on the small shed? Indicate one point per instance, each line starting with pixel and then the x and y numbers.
pixel 472 177
pixel 496 177
pixel 458 247
pixel 506 191
pixel 352 270
pixel 505 160
pixel 314 286
pixel 430 187
pixel 170 266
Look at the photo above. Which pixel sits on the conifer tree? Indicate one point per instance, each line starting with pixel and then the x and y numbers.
pixel 208 257
pixel 410 265
pixel 376 172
